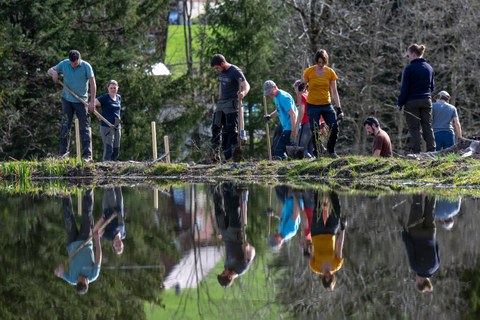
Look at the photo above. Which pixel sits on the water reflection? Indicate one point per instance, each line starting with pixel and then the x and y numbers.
pixel 291 258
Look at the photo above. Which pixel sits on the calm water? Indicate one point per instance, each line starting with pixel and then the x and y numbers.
pixel 165 248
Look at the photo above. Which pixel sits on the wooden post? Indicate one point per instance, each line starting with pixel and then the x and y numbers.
pixel 154 140
pixel 267 128
pixel 79 202
pixel 155 199
pixel 77 141
pixel 167 149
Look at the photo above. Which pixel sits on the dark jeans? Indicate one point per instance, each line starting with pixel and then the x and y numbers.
pixel 421 221
pixel 444 139
pixel 330 117
pixel 73 234
pixel 227 200
pixel 421 109
pixel 280 147
pixel 225 124
pixel 68 109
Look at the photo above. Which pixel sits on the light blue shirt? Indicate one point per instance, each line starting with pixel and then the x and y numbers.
pixel 83 263
pixel 288 227
pixel 284 103
pixel 76 79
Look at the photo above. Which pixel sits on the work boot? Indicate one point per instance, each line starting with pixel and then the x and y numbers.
pixel 333 154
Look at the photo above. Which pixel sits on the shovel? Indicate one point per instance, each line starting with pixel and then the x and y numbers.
pixel 95 112
pixel 295 151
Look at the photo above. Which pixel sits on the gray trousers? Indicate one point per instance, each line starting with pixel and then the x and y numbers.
pixel 68 109
pixel 420 109
pixel 111 143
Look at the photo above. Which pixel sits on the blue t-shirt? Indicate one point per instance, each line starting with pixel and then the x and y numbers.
pixel 442 115
pixel 288 227
pixel 445 208
pixel 230 82
pixel 110 108
pixel 83 263
pixel 75 79
pixel 284 103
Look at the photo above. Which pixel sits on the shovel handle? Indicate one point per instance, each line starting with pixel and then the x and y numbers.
pixel 95 112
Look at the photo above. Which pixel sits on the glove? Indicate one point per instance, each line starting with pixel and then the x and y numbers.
pixel 243 135
pixel 339 114
pixel 343 223
pixel 301 87
pixel 267 118
pixel 399 108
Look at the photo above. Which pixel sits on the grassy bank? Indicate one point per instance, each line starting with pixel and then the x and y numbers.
pixel 351 172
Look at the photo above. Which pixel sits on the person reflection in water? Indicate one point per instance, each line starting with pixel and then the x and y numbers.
pixel 308 197
pixel 115 230
pixel 84 266
pixel 290 218
pixel 328 235
pixel 421 243
pixel 231 216
pixel 445 210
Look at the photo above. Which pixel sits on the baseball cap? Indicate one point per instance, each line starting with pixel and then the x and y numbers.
pixel 268 87
pixel 444 93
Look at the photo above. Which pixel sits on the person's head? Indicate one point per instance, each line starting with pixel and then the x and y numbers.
pixel 112 86
pixel 299 86
pixel 270 88
pixel 74 57
pixel 82 285
pixel 218 62
pixel 275 242
pixel 423 284
pixel 371 124
pixel 443 95
pixel 321 57
pixel 117 245
pixel 415 51
pixel 225 279
pixel 329 280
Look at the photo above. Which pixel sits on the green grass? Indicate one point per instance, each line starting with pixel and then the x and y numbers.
pixel 253 298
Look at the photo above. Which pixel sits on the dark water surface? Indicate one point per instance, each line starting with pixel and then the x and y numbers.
pixel 271 244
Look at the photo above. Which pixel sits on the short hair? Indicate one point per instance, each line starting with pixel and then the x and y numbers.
pixel 321 54
pixel 418 49
pixel 82 287
pixel 73 55
pixel 112 82
pixel 217 60
pixel 224 281
pixel 371 121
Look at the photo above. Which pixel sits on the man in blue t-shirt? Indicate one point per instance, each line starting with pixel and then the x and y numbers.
pixel 78 76
pixel 84 266
pixel 233 88
pixel 443 114
pixel 287 112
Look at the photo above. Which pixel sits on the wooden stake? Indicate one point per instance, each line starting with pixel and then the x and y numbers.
pixel 77 141
pixel 267 128
pixel 155 199
pixel 167 149
pixel 79 202
pixel 154 140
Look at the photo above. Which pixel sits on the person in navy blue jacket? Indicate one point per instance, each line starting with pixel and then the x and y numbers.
pixel 416 97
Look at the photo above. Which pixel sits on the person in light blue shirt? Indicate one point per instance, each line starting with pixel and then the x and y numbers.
pixel 84 266
pixel 443 114
pixel 287 112
pixel 77 76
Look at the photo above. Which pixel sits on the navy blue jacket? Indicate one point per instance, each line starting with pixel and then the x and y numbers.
pixel 417 82
pixel 423 254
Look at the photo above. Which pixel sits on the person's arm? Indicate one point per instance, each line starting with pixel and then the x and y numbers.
pixel 336 98
pixel 93 93
pixel 301 108
pixel 98 248
pixel 339 244
pixel 99 223
pixel 297 209
pixel 403 89
pixel 244 89
pixel 249 252
pixel 293 121
pixel 97 103
pixel 274 114
pixel 458 127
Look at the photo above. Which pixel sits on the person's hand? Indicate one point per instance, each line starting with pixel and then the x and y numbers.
pixel 97 234
pixel 266 118
pixel 241 95
pixel 54 75
pixel 59 270
pixel 293 138
pixel 339 114
pixel 399 108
